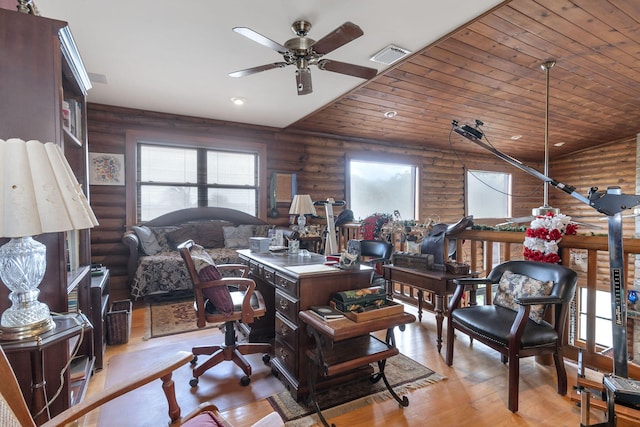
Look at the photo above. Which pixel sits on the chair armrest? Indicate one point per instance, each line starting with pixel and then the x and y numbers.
pixel 131 241
pixel 538 300
pixel 157 369
pixel 468 281
pixel 233 267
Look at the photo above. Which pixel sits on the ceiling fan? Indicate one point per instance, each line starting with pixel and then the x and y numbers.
pixel 303 51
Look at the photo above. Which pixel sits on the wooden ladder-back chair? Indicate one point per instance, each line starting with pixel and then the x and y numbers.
pixel 248 305
pixel 529 288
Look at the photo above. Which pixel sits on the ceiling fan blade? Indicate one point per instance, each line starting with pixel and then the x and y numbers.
pixel 349 69
pixel 259 38
pixel 303 81
pixel 254 70
pixel 338 37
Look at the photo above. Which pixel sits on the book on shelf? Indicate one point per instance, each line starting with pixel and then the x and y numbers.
pixel 326 312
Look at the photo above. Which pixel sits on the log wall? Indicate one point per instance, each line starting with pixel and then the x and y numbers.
pixel 318 161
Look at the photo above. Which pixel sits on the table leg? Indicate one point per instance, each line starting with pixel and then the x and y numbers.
pixel 38 391
pixel 420 300
pixel 439 309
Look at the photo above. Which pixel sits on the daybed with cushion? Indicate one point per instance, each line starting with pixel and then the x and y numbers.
pixel 155 264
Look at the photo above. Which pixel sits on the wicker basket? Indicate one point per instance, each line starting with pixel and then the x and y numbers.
pixel 119 322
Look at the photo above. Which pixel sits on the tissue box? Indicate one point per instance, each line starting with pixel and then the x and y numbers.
pixel 259 244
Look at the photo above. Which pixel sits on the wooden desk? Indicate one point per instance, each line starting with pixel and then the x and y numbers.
pixel 343 346
pixel 438 282
pixel 289 284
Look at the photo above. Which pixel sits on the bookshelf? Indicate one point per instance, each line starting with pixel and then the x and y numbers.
pixel 41 70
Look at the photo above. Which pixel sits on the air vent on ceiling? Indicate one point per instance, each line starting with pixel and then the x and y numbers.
pixel 390 54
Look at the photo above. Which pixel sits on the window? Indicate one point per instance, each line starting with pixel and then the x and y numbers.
pixel 486 185
pixel 174 177
pixel 382 187
pixel 604 329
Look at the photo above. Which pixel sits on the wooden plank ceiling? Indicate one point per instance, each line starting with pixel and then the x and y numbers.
pixel 490 70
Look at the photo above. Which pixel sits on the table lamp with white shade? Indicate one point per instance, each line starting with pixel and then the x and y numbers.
pixel 39 194
pixel 302 205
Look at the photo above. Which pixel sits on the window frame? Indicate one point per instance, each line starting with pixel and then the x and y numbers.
pixel 195 141
pixel 467 171
pixel 388 158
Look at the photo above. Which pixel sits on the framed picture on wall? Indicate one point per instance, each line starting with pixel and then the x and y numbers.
pixel 106 169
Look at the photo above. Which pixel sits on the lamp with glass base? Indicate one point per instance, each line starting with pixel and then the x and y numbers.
pixel 40 195
pixel 302 205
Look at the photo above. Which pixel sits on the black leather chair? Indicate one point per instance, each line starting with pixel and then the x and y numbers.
pixel 513 333
pixel 375 253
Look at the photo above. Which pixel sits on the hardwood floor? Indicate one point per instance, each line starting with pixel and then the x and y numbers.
pixel 474 393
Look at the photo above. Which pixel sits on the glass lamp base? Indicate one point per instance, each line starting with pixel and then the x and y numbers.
pixel 26 331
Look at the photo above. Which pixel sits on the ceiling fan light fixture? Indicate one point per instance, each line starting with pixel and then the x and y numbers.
pixel 238 100
pixel 390 54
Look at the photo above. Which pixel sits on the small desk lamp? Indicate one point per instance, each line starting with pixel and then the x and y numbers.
pixel 39 194
pixel 301 206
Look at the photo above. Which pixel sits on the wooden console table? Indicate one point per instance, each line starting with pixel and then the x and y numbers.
pixel 344 345
pixel 438 282
pixel 289 284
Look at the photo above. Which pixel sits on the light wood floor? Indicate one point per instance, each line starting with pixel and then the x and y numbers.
pixel 474 393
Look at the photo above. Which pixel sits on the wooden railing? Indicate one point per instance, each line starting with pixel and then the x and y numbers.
pixel 478 249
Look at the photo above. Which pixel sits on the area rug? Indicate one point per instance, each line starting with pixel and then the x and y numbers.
pixel 171 317
pixel 404 374
pixel 147 406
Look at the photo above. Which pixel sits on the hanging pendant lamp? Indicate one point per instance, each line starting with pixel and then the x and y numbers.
pixel 545 208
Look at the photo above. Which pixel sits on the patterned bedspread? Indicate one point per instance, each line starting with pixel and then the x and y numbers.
pixel 165 271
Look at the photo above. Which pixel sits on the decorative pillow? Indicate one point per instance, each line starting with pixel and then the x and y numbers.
pixel 210 234
pixel 148 242
pixel 205 419
pixel 237 237
pixel 514 285
pixel 161 236
pixel 219 296
pixel 181 235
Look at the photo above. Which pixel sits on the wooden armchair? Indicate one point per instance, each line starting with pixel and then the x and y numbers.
pixel 14 411
pixel 530 288
pixel 245 305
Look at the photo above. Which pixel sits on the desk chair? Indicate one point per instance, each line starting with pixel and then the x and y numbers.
pixel 246 304
pixel 375 253
pixel 14 411
pixel 514 325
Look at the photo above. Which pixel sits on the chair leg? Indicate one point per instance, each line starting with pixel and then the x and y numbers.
pixel 254 348
pixel 561 372
pixel 514 382
pixel 239 360
pixel 218 356
pixel 450 338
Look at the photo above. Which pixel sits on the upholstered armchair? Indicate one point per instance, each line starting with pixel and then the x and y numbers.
pixel 515 324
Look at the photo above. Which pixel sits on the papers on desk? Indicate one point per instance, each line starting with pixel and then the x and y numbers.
pixel 312 268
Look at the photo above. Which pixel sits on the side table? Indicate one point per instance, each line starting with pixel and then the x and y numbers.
pixel 343 346
pixel 67 327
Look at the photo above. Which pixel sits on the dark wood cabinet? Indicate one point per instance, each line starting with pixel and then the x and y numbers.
pixel 99 308
pixel 40 68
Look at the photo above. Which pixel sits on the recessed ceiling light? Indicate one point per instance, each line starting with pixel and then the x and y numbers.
pixel 237 100
pixel 390 114
pixel 516 137
pixel 558 144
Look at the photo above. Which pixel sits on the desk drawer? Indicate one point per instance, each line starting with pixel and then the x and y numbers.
pixel 269 275
pixel 287 306
pixel 286 331
pixel 287 356
pixel 288 285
